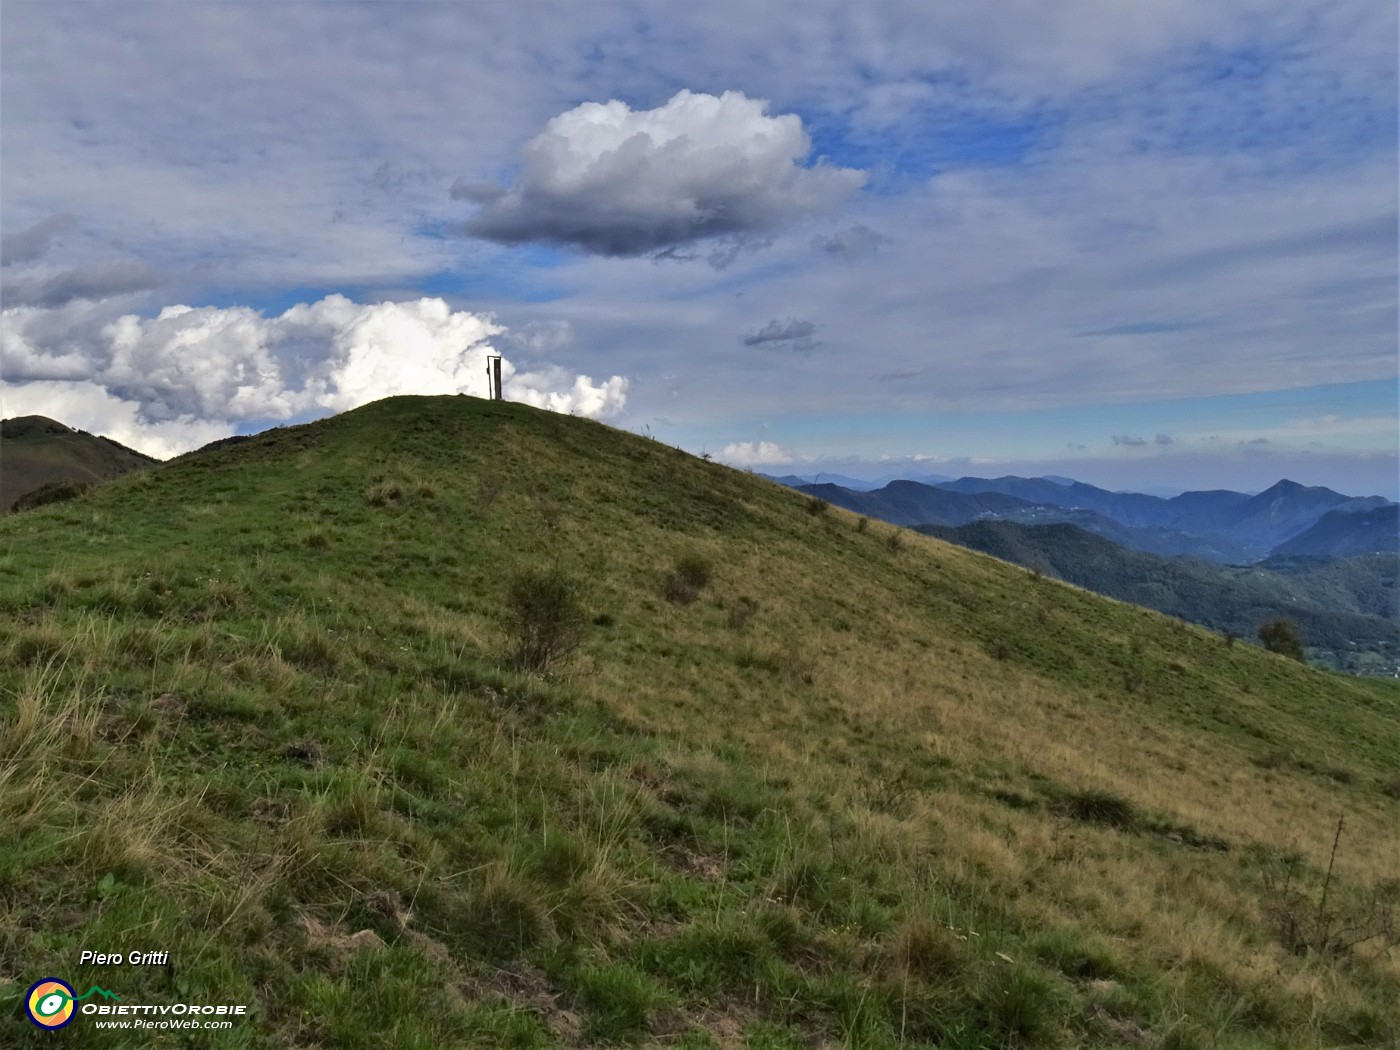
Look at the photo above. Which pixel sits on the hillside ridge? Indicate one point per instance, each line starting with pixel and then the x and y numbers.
pixel 783 776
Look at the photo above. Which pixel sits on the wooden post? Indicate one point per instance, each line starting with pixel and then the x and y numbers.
pixel 493 377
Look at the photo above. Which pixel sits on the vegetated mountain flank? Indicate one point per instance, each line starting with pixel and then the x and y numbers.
pixel 1342 607
pixel 448 722
pixel 40 456
pixel 1221 526
pixel 794 481
pixel 1343 532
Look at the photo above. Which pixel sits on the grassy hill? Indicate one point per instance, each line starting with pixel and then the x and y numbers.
pixel 38 453
pixel 806 780
pixel 1342 606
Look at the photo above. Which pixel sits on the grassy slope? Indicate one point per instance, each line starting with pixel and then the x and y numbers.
pixel 877 791
pixel 35 459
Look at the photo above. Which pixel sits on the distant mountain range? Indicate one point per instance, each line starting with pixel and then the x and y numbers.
pixel 1220 526
pixel 38 453
pixel 854 484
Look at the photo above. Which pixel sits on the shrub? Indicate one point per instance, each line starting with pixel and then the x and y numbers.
pixel 895 542
pixel 741 612
pixel 816 506
pixel 545 619
pixel 488 491
pixel 1101 807
pixel 862 524
pixel 384 493
pixel 53 492
pixel 687 579
pixel 1281 636
pixel 924 948
pixel 1336 922
pixel 618 1000
pixel 1021 1006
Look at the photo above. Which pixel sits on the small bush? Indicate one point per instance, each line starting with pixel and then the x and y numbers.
pixel 1101 807
pixel 1329 920
pixel 862 524
pixel 545 619
pixel 895 542
pixel 384 494
pixel 1021 1006
pixel 618 1000
pixel 488 490
pixel 505 917
pixel 741 612
pixel 1281 636
pixel 690 576
pixel 53 492
pixel 816 506
pixel 924 948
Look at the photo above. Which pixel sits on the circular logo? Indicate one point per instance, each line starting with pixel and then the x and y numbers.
pixel 50 1003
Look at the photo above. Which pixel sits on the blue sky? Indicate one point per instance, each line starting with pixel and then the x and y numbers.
pixel 1151 247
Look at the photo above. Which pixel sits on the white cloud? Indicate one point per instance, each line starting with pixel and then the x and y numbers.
pixel 756 454
pixel 191 374
pixel 553 389
pixel 89 406
pixel 614 181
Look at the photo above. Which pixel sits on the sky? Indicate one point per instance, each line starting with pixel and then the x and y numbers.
pixel 1150 247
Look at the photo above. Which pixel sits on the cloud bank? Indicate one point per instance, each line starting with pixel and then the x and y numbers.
pixel 172 382
pixel 31 243
pixel 613 181
pixel 91 281
pixel 756 454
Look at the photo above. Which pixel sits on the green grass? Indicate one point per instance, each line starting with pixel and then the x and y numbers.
pixel 264 708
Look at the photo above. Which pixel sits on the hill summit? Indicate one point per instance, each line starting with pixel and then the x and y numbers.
pixel 448 722
pixel 40 457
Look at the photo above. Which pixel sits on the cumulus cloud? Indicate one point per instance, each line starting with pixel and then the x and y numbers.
pixel 28 245
pixel 611 180
pixel 791 334
pixel 1129 440
pixel 190 374
pixel 94 281
pixel 551 389
pixel 89 406
pixel 755 454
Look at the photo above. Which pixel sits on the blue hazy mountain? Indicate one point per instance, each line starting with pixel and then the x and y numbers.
pixel 1348 531
pixel 1218 525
